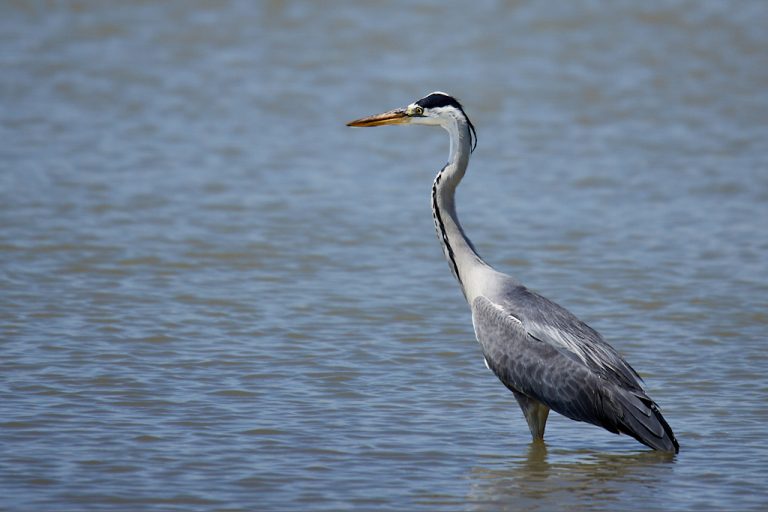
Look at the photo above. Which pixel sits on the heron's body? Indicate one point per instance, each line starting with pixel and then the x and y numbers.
pixel 545 355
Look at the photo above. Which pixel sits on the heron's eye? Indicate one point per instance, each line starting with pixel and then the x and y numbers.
pixel 417 110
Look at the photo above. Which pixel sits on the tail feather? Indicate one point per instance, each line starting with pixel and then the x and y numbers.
pixel 641 418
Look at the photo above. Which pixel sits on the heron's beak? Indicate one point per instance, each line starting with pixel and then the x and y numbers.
pixel 397 116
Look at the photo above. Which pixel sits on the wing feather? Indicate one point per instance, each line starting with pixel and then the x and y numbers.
pixel 534 368
pixel 551 323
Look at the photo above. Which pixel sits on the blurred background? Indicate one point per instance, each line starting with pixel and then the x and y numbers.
pixel 215 296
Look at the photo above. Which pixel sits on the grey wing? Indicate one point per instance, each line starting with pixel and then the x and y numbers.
pixel 554 325
pixel 536 369
pixel 548 372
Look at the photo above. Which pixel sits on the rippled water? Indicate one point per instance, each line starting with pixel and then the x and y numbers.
pixel 217 297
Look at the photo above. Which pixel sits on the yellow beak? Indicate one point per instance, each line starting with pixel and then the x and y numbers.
pixel 397 116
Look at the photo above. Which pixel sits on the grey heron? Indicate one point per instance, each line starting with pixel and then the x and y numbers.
pixel 540 351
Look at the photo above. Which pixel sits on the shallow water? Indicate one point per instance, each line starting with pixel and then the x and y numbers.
pixel 215 296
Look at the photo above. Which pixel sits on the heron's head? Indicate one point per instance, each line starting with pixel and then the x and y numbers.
pixel 437 109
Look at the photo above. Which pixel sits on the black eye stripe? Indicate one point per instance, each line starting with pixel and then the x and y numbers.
pixel 439 100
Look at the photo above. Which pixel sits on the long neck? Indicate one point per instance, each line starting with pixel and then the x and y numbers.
pixel 462 257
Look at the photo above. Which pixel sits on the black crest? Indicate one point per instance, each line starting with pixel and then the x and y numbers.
pixel 440 99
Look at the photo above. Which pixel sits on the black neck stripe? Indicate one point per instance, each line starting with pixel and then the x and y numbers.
pixel 441 227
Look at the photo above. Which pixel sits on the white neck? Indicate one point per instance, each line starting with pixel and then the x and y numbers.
pixel 467 266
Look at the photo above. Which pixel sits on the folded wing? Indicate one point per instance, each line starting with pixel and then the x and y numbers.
pixel 539 349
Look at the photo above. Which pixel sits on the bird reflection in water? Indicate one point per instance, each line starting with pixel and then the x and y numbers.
pixel 557 479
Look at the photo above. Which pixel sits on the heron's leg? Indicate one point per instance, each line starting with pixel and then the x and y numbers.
pixel 536 414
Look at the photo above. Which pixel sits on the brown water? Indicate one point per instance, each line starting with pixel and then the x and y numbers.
pixel 215 296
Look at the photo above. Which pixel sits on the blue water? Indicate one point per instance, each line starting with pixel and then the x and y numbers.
pixel 215 296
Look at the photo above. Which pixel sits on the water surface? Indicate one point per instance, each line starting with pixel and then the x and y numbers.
pixel 215 296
